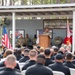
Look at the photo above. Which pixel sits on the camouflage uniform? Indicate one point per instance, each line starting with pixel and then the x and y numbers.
pixel 34 41
pixel 20 41
pixel 48 33
pixel 27 40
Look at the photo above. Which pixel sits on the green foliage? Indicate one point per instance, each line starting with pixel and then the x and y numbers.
pixel 36 2
pixel 24 2
pixel 62 1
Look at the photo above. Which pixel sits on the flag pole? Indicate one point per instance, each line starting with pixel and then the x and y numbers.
pixel 13 29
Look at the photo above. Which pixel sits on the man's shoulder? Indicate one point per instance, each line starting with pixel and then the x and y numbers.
pixel 52 65
pixel 2 68
pixel 42 69
pixel 4 72
pixel 66 67
pixel 17 73
pixel 46 68
pixel 30 68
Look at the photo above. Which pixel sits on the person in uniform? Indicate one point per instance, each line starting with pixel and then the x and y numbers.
pixel 59 63
pixel 69 59
pixel 39 68
pixel 9 69
pixel 31 61
pixel 34 39
pixel 27 39
pixel 47 32
pixel 21 40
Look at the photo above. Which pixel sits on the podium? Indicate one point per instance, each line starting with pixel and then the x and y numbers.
pixel 44 41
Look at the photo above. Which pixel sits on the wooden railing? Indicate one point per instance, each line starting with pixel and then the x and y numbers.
pixel 33 2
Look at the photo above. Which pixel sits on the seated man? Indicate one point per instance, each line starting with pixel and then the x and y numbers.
pixel 10 64
pixel 32 61
pixel 34 39
pixel 2 62
pixel 68 63
pixel 27 39
pixel 18 54
pixel 26 56
pixel 47 53
pixel 20 40
pixel 42 50
pixel 39 68
pixel 58 66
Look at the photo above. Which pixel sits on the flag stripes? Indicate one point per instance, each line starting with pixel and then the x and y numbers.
pixel 5 39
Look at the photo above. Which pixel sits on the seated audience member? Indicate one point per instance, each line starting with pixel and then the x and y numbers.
pixel 73 61
pixel 18 46
pixel 54 47
pixel 61 52
pixel 42 50
pixel 26 56
pixel 10 63
pixel 62 49
pixel 2 62
pixel 74 58
pixel 30 46
pixel 2 53
pixel 68 63
pixel 39 68
pixel 68 48
pixel 54 52
pixel 24 45
pixel 38 49
pixel 58 66
pixel 47 54
pixel 32 61
pixel 18 56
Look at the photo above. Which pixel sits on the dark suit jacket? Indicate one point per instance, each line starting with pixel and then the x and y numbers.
pixel 3 68
pixel 24 59
pixel 29 63
pixel 38 69
pixel 69 64
pixel 48 62
pixel 9 71
pixel 60 67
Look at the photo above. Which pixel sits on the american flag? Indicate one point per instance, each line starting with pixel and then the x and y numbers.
pixel 5 39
